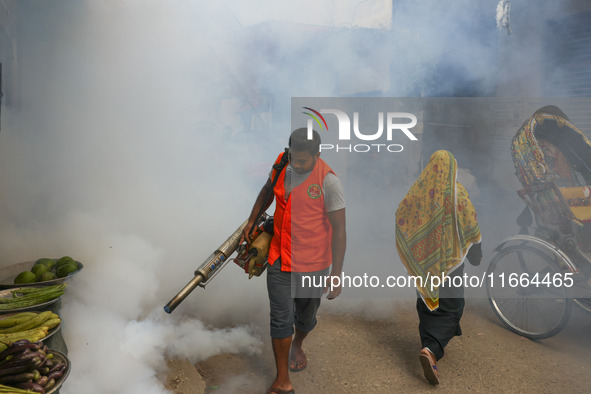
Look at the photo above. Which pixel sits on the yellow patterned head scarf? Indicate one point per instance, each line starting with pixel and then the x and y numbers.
pixel 435 225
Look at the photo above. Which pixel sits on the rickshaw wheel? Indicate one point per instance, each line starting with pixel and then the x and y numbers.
pixel 583 303
pixel 533 311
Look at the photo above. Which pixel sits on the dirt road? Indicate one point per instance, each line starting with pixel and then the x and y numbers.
pixel 349 353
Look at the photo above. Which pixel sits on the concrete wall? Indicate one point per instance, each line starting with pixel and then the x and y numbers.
pixel 8 49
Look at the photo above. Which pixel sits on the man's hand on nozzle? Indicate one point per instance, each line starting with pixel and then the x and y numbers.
pixel 244 235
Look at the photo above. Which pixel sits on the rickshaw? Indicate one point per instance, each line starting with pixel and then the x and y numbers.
pixel 536 276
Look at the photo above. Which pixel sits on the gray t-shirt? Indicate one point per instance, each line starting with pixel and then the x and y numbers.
pixel 334 195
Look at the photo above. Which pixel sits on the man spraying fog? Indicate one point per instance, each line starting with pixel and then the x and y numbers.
pixel 309 237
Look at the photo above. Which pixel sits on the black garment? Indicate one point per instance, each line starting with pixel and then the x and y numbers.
pixel 293 302
pixel 438 327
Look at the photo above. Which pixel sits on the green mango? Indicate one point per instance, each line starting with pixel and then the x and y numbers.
pixel 39 270
pixel 46 276
pixel 66 269
pixel 49 263
pixel 25 277
pixel 64 260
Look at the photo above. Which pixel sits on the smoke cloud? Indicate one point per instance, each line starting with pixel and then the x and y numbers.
pixel 141 132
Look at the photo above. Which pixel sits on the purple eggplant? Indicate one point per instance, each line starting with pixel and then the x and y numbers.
pixel 48 363
pixel 33 363
pixel 43 370
pixel 14 348
pixel 55 375
pixel 19 378
pixel 50 384
pixel 42 381
pixel 31 386
pixel 7 373
pixel 57 367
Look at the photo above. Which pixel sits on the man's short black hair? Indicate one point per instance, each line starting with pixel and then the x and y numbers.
pixel 298 141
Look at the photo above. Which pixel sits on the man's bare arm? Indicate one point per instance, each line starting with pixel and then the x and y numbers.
pixel 339 245
pixel 260 203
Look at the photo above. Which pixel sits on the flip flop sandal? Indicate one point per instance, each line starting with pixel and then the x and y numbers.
pixel 429 369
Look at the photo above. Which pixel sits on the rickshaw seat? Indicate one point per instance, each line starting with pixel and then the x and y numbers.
pixel 578 200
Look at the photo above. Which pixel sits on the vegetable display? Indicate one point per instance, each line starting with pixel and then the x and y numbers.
pixel 33 326
pixel 45 269
pixel 29 310
pixel 13 390
pixel 30 296
pixel 30 366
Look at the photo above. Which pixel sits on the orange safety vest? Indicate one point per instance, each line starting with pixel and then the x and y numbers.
pixel 302 232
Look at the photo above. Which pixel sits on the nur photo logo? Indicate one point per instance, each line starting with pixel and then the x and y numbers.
pixel 388 125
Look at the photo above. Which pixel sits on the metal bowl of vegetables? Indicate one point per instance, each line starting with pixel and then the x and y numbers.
pixel 60 357
pixel 10 272
pixel 32 366
pixel 20 325
pixel 29 298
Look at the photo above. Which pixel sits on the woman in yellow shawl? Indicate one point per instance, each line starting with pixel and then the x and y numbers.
pixel 436 229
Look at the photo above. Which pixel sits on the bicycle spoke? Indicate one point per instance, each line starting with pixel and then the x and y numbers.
pixel 536 310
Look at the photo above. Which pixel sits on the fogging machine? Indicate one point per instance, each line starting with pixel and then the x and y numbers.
pixel 251 257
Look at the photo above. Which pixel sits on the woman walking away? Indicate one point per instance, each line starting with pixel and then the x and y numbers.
pixel 436 230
